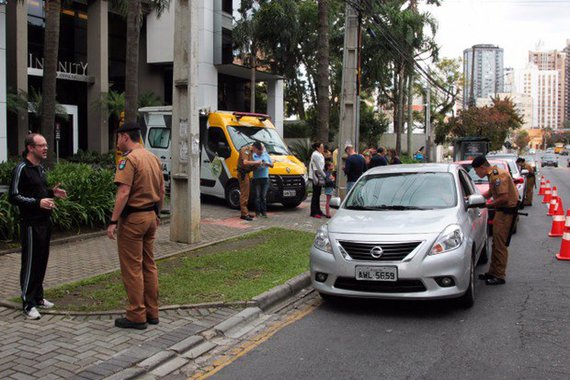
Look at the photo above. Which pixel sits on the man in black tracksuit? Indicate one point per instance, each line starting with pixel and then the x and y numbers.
pixel 29 191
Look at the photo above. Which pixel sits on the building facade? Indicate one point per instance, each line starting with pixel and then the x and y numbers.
pixel 567 83
pixel 92 63
pixel 482 72
pixel 543 87
pixel 553 60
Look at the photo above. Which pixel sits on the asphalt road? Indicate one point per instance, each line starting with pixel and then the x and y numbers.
pixel 518 330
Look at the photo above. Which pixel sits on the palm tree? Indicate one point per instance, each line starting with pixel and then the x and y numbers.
pixel 323 72
pixel 133 12
pixel 51 47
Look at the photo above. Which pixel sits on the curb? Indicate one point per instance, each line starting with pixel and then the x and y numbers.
pixel 187 350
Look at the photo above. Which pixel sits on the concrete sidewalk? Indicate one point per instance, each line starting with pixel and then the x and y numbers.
pixel 59 346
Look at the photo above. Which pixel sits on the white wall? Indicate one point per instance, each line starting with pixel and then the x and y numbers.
pixel 160 36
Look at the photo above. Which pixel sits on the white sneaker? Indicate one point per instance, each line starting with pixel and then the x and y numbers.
pixel 45 304
pixel 33 313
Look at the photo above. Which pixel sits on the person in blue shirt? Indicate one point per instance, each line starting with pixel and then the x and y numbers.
pixel 261 178
pixel 354 166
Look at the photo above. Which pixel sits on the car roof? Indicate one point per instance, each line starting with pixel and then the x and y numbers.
pixel 413 168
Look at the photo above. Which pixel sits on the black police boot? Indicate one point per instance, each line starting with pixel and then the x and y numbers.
pixel 495 281
pixel 124 323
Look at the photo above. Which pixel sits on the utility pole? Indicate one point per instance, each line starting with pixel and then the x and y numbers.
pixel 428 123
pixel 3 129
pixel 349 102
pixel 185 179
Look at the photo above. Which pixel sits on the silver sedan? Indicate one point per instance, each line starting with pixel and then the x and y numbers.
pixel 403 232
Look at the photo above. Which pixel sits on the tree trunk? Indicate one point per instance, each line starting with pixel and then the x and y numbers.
pixel 132 60
pixel 323 72
pixel 252 80
pixel 401 85
pixel 410 111
pixel 300 103
pixel 49 82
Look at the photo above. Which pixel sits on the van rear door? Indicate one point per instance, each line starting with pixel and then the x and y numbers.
pixel 158 138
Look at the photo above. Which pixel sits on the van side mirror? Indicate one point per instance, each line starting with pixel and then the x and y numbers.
pixel 524 172
pixel 223 150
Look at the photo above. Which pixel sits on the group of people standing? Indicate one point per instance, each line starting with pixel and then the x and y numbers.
pixel 322 170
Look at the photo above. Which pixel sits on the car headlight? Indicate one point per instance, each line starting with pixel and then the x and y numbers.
pixel 322 240
pixel 450 239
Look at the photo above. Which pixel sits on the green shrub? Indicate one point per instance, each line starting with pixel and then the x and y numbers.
pixel 105 160
pixel 6 171
pixel 90 201
pixel 296 129
pixel 302 150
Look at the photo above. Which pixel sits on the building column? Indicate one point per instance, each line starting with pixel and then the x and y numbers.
pixel 98 61
pixel 17 59
pixel 3 131
pixel 275 103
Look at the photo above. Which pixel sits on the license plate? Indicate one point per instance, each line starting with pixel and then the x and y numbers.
pixel 377 273
pixel 289 193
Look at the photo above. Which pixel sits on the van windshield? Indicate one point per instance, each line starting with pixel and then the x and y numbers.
pixel 242 136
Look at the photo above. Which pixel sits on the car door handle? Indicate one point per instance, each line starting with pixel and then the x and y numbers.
pixel 206 161
pixel 163 157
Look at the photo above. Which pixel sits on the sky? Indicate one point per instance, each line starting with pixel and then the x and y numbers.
pixel 517 26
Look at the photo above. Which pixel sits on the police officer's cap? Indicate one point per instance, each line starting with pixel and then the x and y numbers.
pixel 479 161
pixel 131 126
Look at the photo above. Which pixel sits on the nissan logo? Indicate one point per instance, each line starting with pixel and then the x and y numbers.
pixel 376 252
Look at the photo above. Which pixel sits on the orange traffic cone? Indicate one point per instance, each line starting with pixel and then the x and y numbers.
pixel 559 207
pixel 542 187
pixel 565 245
pixel 547 195
pixel 553 204
pixel 557 229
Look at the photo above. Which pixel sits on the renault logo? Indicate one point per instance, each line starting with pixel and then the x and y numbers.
pixel 288 169
pixel 376 252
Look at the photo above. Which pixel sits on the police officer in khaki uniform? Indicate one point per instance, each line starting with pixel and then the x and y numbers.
pixel 505 201
pixel 137 214
pixel 530 180
pixel 246 164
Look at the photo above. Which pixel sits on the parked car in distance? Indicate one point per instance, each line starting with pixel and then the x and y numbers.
pixel 411 232
pixel 549 160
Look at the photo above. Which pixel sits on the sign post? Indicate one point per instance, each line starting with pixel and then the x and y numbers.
pixel 57 138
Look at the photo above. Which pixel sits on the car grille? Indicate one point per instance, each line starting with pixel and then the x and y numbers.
pixel 287 181
pixel 400 286
pixel 391 251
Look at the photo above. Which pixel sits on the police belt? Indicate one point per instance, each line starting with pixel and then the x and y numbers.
pixel 128 210
pixel 508 210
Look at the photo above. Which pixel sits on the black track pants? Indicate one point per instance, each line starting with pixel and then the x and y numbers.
pixel 35 252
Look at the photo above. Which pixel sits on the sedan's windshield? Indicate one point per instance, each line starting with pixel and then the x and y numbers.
pixel 403 191
pixel 269 137
pixel 549 157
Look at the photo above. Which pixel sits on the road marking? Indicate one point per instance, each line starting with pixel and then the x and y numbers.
pixel 246 347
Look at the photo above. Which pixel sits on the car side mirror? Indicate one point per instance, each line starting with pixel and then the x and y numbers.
pixel 335 203
pixel 476 201
pixel 524 172
pixel 224 150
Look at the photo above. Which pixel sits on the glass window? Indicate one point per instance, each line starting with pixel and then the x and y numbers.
pixel 471 172
pixel 269 137
pixel 215 136
pixel 159 138
pixel 401 191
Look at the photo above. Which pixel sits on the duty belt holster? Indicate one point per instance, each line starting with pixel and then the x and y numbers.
pixel 128 210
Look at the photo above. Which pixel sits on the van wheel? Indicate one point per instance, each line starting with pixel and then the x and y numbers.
pixel 292 204
pixel 233 194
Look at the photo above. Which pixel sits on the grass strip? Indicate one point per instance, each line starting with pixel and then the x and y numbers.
pixel 236 270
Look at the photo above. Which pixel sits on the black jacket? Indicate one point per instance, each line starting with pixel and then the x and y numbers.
pixel 28 187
